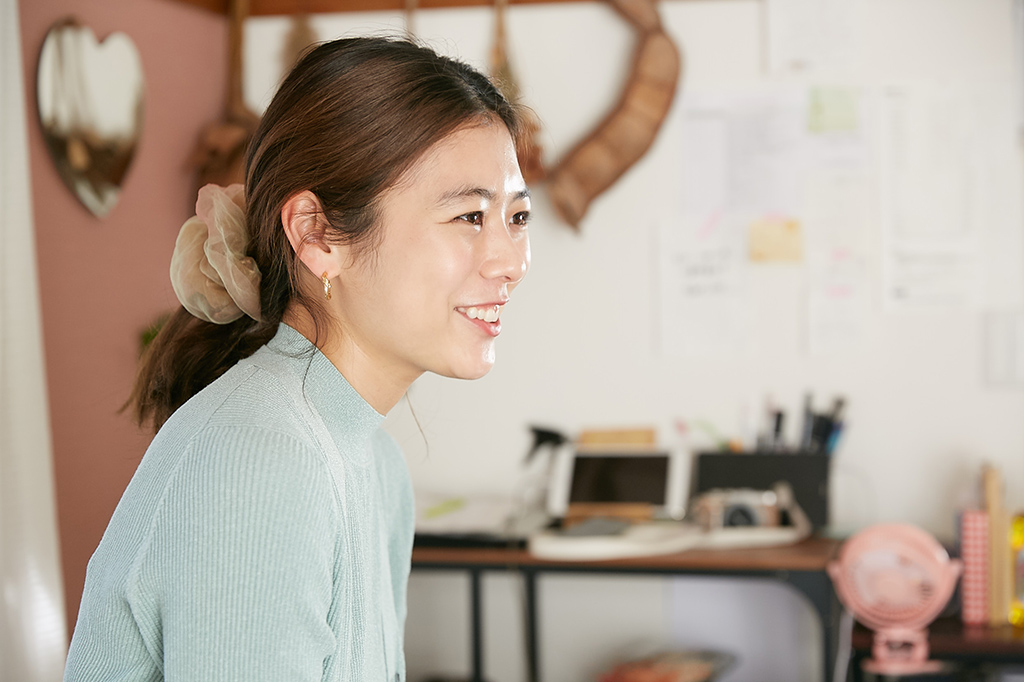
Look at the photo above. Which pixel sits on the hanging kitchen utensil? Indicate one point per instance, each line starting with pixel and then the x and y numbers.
pixel 626 134
pixel 531 161
pixel 219 156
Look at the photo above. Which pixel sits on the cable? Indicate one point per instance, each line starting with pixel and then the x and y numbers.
pixel 845 648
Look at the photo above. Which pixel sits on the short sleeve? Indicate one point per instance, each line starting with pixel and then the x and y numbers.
pixel 235 580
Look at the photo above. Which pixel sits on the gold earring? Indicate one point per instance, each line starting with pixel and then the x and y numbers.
pixel 327 286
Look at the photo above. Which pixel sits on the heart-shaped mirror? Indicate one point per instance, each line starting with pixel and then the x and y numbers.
pixel 90 98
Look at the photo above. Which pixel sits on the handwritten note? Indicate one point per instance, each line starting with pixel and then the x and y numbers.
pixel 929 199
pixel 703 293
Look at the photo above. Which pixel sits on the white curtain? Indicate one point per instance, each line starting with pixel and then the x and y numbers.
pixel 33 637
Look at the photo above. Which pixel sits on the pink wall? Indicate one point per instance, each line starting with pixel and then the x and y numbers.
pixel 103 281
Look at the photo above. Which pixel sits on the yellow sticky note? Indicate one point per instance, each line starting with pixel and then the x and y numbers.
pixel 776 239
pixel 833 110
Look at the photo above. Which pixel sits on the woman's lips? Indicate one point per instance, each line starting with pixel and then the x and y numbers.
pixel 485 317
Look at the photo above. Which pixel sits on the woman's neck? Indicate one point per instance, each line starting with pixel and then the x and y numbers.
pixel 377 386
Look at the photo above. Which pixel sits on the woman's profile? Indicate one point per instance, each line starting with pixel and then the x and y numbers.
pixel 267 532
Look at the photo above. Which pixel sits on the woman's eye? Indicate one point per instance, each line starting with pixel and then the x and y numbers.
pixel 474 218
pixel 522 219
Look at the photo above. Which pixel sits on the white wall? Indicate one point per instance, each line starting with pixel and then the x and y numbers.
pixel 579 346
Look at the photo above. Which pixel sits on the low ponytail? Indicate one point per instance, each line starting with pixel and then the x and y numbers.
pixel 187 355
pixel 221 319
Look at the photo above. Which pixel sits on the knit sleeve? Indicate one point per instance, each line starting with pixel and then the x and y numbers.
pixel 235 580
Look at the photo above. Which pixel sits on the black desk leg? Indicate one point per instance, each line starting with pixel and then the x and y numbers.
pixel 476 623
pixel 532 640
pixel 816 586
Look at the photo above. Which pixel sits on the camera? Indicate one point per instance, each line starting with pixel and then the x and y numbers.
pixel 735 507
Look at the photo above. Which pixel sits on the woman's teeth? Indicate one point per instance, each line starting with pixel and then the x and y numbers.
pixel 485 314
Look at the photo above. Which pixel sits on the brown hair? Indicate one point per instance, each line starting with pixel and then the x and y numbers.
pixel 351 117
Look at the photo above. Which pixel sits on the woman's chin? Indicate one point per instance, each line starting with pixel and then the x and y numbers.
pixel 469 374
pixel 470 369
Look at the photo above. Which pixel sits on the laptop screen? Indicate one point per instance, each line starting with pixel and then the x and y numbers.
pixel 619 479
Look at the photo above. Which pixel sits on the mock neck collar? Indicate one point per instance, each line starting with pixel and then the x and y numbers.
pixel 346 414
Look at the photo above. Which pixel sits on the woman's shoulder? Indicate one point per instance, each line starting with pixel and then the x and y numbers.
pixel 239 443
pixel 248 397
pixel 242 437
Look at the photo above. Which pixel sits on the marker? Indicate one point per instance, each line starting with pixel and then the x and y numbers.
pixel 833 438
pixel 820 432
pixel 808 426
pixel 765 439
pixel 837 409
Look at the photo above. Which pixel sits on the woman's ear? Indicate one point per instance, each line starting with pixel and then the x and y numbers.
pixel 302 219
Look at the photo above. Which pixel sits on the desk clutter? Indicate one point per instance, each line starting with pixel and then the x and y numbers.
pixel 673 666
pixel 991 542
pixel 613 494
pixel 898 581
pixel 668 666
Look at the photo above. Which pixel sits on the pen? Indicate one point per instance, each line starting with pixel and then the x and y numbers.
pixel 820 432
pixel 835 425
pixel 837 409
pixel 808 425
pixel 833 438
pixel 780 417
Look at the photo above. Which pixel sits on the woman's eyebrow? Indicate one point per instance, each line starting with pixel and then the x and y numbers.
pixel 455 195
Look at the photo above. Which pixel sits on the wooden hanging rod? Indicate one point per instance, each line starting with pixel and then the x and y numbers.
pixel 285 7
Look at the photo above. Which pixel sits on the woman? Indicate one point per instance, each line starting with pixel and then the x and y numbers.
pixel 267 532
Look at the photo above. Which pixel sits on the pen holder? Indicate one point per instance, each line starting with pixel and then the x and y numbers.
pixel 806 473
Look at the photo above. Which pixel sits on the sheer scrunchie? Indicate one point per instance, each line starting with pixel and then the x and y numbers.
pixel 210 273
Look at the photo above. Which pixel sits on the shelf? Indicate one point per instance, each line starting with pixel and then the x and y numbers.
pixel 950 639
pixel 286 7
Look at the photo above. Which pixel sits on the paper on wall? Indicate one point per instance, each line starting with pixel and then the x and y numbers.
pixel 810 35
pixel 836 210
pixel 838 285
pixel 743 160
pixel 775 239
pixel 702 253
pixel 765 151
pixel 777 176
pixel 702 286
pixel 930 198
pixel 837 300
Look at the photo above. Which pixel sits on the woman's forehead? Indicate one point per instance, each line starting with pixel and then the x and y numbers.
pixel 475 160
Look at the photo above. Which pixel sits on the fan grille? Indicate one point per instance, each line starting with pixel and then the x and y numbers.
pixel 891 579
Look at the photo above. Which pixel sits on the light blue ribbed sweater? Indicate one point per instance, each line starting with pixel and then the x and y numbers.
pixel 266 535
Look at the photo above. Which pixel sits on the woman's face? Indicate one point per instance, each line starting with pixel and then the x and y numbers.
pixel 453 246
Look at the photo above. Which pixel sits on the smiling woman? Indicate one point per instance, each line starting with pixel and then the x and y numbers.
pixel 453 246
pixel 267 532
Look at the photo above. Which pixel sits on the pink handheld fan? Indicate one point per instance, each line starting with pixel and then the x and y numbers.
pixel 895 579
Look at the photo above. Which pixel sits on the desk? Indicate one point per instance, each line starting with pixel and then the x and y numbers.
pixel 802 566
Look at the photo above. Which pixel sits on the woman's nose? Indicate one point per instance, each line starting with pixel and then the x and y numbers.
pixel 508 254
